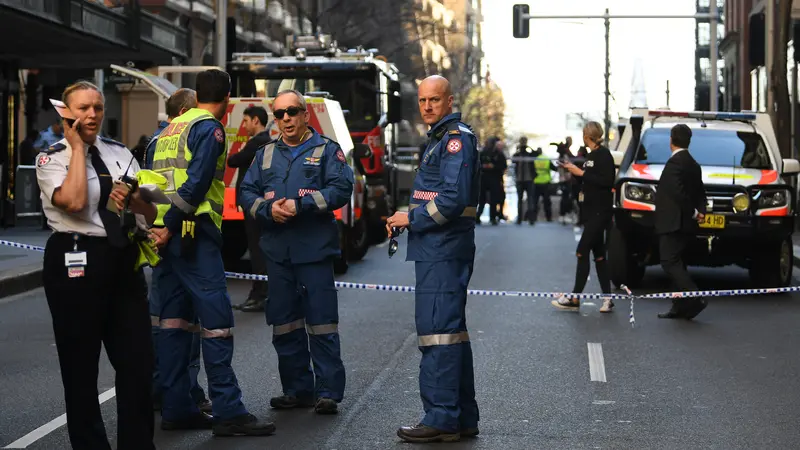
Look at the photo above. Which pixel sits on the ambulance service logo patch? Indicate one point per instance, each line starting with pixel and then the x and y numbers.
pixel 219 135
pixel 454 146
pixel 340 155
pixel 43 160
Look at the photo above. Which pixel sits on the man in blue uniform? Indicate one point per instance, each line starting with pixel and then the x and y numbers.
pixel 292 188
pixel 441 240
pixel 177 104
pixel 191 154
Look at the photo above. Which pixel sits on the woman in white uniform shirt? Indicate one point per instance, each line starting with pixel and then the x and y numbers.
pixel 94 294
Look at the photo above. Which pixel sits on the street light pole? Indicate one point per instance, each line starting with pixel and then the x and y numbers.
pixel 608 76
pixel 222 21
pixel 713 55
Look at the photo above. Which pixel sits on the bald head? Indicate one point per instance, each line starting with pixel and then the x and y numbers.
pixel 435 99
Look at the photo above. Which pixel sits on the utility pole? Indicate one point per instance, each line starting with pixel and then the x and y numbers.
pixel 221 36
pixel 521 28
pixel 667 93
pixel 714 54
pixel 769 56
pixel 608 76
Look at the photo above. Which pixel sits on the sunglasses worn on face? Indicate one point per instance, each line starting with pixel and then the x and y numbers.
pixel 393 245
pixel 292 111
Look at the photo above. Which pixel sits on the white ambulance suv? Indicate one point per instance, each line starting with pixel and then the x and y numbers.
pixel 751 204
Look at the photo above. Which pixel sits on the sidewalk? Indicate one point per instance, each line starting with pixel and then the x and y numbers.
pixel 20 269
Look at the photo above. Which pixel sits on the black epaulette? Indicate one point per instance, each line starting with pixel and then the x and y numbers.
pixel 329 139
pixel 110 141
pixel 55 148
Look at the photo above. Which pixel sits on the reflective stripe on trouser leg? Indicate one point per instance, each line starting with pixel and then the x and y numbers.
pixel 440 300
pixel 203 278
pixel 284 312
pixel 320 303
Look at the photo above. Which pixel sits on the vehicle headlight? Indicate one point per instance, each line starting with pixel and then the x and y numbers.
pixel 640 193
pixel 772 199
pixel 741 202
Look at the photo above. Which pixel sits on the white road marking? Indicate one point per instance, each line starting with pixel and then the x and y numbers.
pixel 597 366
pixel 54 424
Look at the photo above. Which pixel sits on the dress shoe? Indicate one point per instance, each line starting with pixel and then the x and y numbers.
pixel 670 315
pixel 423 434
pixel 252 305
pixel 695 308
pixel 244 425
pixel 326 406
pixel 199 421
pixel 289 402
pixel 470 432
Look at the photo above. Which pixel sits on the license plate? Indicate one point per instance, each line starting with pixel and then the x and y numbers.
pixel 713 221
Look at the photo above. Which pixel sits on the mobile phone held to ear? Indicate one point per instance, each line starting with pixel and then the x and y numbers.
pixel 64 112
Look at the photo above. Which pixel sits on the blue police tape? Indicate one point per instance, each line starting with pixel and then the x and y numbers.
pixel 595 296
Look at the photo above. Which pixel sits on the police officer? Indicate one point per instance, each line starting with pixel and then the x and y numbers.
pixel 541 185
pixel 190 154
pixel 494 165
pixel 441 240
pixel 94 289
pixel 292 189
pixel 178 103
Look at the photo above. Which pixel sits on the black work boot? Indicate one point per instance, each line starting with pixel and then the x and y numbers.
pixel 470 432
pixel 244 425
pixel 326 406
pixel 199 421
pixel 289 402
pixel 422 434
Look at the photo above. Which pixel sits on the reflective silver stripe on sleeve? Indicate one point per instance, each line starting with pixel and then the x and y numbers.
pixel 181 162
pixel 319 151
pixel 434 213
pixel 175 324
pixel 319 200
pixel 330 328
pixel 443 339
pixel 266 163
pixel 469 211
pixel 254 208
pixel 155 321
pixel 183 205
pixel 217 333
pixel 287 328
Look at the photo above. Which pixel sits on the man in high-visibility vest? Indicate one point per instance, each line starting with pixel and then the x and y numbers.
pixel 190 154
pixel 542 185
pixel 177 104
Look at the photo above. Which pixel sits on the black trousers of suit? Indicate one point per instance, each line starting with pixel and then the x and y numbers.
pixel 107 306
pixel 671 247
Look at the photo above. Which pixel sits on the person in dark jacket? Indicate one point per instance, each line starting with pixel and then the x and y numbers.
pixel 596 199
pixel 524 173
pixel 255 120
pixel 680 205
pixel 493 166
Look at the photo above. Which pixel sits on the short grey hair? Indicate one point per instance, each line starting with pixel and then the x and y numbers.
pixel 180 99
pixel 297 93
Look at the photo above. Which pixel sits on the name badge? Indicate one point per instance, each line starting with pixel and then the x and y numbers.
pixel 75 262
pixel 580 197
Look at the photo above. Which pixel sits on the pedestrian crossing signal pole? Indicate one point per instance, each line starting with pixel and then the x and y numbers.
pixel 521 29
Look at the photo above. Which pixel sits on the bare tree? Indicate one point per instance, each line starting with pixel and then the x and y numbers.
pixel 779 82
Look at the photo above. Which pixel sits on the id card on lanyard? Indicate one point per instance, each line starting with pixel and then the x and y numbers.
pixel 75 261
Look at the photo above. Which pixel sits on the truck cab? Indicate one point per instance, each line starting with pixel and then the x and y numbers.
pixel 750 201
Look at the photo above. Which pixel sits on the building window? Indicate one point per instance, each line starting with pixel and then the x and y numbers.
pixel 703 37
pixel 705 70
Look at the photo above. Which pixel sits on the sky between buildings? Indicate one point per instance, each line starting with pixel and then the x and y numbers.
pixel 559 68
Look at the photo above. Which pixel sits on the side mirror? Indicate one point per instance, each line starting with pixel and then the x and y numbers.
pixel 362 151
pixel 395 104
pixel 791 167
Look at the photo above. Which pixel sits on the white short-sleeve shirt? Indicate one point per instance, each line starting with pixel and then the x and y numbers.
pixel 51 171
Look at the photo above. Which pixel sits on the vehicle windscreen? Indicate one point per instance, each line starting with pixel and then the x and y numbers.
pixel 743 149
pixel 356 92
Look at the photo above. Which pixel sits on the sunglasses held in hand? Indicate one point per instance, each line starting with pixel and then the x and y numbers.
pixel 393 245
pixel 292 111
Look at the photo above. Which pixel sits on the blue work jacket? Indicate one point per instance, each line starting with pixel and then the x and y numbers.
pixel 316 176
pixel 445 197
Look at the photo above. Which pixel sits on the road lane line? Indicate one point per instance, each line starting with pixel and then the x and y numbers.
pixel 54 424
pixel 597 366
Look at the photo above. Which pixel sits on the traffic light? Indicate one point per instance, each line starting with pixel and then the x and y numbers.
pixel 521 25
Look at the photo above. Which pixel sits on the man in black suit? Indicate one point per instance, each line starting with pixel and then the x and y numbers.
pixel 255 123
pixel 680 206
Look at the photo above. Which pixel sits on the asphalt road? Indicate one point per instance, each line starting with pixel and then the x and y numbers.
pixel 728 380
